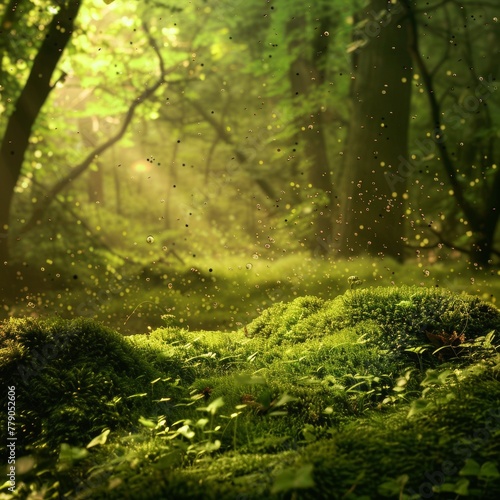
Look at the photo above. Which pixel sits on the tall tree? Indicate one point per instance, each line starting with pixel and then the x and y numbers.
pixel 27 107
pixel 307 73
pixel 373 213
pixel 301 64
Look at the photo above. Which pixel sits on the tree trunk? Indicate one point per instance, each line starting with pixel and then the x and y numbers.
pixel 482 248
pixel 306 75
pixel 27 108
pixel 374 180
pixel 321 179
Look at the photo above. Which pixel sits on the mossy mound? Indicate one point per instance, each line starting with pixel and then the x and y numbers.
pixel 72 379
pixel 403 317
pixel 345 398
pixel 345 355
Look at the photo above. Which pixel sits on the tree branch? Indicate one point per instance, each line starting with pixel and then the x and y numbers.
pixel 78 170
pixel 458 189
pixel 226 138
pixel 447 243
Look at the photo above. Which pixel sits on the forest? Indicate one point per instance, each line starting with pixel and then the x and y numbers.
pixel 249 249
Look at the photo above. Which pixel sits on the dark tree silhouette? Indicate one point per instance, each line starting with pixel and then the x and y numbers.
pixel 25 112
pixel 483 216
pixel 373 211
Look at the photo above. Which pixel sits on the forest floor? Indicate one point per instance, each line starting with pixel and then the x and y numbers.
pixel 377 392
pixel 223 294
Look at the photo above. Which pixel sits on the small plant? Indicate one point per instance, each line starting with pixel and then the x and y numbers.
pixel 354 281
pixel 169 320
pixel 419 351
pixel 234 419
pixel 400 389
pixel 481 347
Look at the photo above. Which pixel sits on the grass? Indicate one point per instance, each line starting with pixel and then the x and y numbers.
pixel 388 392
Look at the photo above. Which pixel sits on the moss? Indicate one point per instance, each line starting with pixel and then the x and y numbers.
pixel 362 457
pixel 279 320
pixel 313 391
pixel 394 318
pixel 72 379
pixel 165 349
pixel 358 458
pixel 406 314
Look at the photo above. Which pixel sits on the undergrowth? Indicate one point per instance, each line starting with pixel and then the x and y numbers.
pixel 378 393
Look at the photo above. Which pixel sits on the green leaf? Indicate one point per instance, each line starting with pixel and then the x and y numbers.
pixel 101 439
pixel 461 487
pixel 212 446
pixel 70 454
pixel 489 470
pixel 186 432
pixel 5 485
pixel 393 487
pixel 431 378
pixel 471 468
pixel 284 400
pixel 252 357
pixel 212 407
pixel 418 406
pixel 443 376
pixel 147 423
pixel 488 340
pixel 250 379
pixel 201 423
pixel 292 478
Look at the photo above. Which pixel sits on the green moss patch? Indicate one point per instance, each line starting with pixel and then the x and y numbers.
pixel 72 379
pixel 378 393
